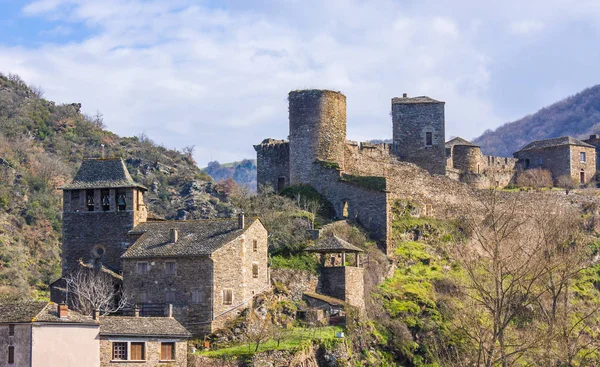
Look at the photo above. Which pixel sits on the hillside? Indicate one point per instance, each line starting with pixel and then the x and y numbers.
pixel 577 116
pixel 41 146
pixel 242 172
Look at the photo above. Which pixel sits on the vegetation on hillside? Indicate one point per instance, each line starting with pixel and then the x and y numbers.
pixel 577 116
pixel 243 172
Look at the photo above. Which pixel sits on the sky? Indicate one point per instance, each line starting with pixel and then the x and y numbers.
pixel 215 74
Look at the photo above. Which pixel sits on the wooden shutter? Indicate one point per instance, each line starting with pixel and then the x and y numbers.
pixel 167 351
pixel 227 296
pixel 137 351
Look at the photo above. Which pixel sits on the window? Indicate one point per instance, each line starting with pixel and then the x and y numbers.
pixel 11 354
pixel 137 351
pixel 167 351
pixel 254 245
pixel 527 163
pixel 196 296
pixel 90 200
pixel 582 157
pixel 142 297
pixel 280 183
pixel 170 268
pixel 105 196
pixel 428 138
pixel 170 296
pixel 227 296
pixel 255 270
pixel 119 351
pixel 75 198
pixel 120 200
pixel 142 268
pixel 11 330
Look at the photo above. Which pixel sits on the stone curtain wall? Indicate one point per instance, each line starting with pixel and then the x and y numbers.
pixel 272 162
pixel 152 352
pixel 366 159
pixel 191 273
pixel 317 131
pixel 411 122
pixel 481 171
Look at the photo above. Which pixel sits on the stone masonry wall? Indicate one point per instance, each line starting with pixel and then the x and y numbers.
pixel 481 171
pixel 355 286
pixel 588 167
pixel 272 163
pixel 21 341
pixel 317 131
pixel 411 122
pixel 561 160
pixel 152 352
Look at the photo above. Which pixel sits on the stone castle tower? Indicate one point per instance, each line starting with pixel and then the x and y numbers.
pixel 100 207
pixel 317 131
pixel 419 132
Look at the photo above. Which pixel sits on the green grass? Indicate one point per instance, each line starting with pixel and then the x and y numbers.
pixel 293 339
pixel 302 261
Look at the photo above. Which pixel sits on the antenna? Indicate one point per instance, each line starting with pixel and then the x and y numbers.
pixel 102 149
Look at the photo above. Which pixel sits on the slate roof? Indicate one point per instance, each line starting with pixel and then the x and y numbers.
pixel 459 141
pixel 414 100
pixel 102 173
pixel 142 326
pixel 195 237
pixel 333 244
pixel 38 311
pixel 554 142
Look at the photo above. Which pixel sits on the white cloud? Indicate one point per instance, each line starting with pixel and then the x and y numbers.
pixel 218 78
pixel 526 26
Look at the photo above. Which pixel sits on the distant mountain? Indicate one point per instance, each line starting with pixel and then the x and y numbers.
pixel 242 172
pixel 577 116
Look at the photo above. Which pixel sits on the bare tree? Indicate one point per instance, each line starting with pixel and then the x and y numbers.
pixel 94 289
pixel 536 178
pixel 188 151
pixel 566 182
pixel 258 329
pixel 309 206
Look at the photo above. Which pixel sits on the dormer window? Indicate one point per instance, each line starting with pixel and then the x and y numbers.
pixel 90 200
pixel 105 200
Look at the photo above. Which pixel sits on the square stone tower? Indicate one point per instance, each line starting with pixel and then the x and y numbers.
pixel 419 132
pixel 100 207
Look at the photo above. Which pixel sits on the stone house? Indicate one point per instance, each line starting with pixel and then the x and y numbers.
pixel 44 334
pixel 207 269
pixel 564 156
pixel 143 341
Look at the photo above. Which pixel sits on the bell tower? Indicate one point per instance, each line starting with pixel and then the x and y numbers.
pixel 100 206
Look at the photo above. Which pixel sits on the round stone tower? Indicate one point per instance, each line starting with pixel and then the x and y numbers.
pixel 467 158
pixel 317 131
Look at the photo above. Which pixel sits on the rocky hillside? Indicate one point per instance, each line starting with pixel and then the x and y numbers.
pixel 577 116
pixel 41 146
pixel 242 172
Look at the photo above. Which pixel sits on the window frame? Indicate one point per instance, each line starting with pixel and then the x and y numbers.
pixel 582 157
pixel 174 263
pixel 173 351
pixel 225 291
pixel 125 350
pixel 196 300
pixel 137 268
pixel 255 267
pixel 255 245
pixel 428 138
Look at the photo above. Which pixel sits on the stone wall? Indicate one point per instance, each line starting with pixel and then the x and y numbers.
pixel 297 282
pixel 21 341
pixel 588 168
pixel 345 283
pixel 411 122
pixel 317 131
pixel 152 352
pixel 478 170
pixel 272 164
pixel 366 159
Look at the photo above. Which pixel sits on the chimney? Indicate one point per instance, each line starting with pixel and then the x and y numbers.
pixel 170 311
pixel 63 310
pixel 404 95
pixel 136 312
pixel 96 315
pixel 241 220
pixel 173 235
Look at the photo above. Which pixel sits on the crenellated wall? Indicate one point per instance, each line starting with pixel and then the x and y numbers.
pixel 273 164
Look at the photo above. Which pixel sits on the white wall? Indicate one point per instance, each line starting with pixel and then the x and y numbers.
pixel 65 345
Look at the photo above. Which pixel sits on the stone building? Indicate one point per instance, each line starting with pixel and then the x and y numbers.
pixel 157 262
pixel 142 341
pixel 44 334
pixel 207 269
pixel 564 156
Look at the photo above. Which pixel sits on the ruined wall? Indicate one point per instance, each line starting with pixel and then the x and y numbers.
pixel 411 123
pixel 98 235
pixel 272 164
pixel 21 341
pixel 317 131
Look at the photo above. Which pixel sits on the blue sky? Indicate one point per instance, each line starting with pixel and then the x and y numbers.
pixel 215 74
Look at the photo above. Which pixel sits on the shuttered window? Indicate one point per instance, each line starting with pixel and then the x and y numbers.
pixel 142 268
pixel 254 270
pixel 167 351
pixel 196 296
pixel 170 268
pixel 255 245
pixel 119 351
pixel 137 351
pixel 11 354
pixel 227 296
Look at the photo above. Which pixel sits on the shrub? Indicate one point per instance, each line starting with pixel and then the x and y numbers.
pixel 536 178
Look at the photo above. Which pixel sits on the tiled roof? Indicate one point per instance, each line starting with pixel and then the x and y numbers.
pixel 321 297
pixel 102 173
pixel 38 311
pixel 459 141
pixel 195 237
pixel 333 244
pixel 142 326
pixel 413 100
pixel 555 142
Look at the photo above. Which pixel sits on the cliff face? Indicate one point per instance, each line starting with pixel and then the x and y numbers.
pixel 577 116
pixel 41 146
